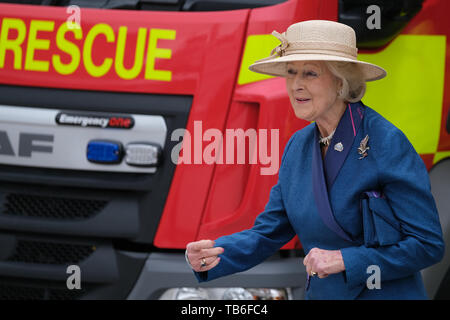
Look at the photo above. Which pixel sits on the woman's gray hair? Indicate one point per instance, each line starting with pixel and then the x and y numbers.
pixel 353 83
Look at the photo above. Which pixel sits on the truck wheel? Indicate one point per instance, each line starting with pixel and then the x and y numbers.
pixel 437 277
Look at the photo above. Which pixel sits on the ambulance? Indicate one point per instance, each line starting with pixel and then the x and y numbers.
pixel 130 128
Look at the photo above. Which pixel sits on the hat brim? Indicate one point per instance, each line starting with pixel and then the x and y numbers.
pixel 277 66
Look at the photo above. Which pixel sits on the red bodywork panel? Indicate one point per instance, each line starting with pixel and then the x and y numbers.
pixel 236 194
pixel 202 49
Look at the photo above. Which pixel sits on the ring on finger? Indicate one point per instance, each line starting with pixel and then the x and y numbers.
pixel 203 263
pixel 312 273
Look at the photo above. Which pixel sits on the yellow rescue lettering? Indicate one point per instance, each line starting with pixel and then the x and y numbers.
pixel 138 57
pixel 91 68
pixel 67 47
pixel 37 44
pixel 154 52
pixel 12 44
pixel 70 52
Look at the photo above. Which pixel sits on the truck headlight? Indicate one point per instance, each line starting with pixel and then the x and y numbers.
pixel 142 154
pixel 255 294
pixel 191 294
pixel 227 294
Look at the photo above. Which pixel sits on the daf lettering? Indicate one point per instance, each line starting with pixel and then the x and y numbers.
pixel 28 143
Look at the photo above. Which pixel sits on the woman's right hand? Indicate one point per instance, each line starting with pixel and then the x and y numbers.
pixel 203 251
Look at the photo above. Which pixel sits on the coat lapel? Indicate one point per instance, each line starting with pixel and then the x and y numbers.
pixel 322 180
pixel 345 135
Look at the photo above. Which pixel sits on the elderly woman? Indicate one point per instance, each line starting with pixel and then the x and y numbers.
pixel 351 185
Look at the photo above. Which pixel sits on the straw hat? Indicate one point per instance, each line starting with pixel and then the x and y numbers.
pixel 315 40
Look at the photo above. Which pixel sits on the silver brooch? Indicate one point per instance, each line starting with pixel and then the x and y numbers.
pixel 362 150
pixel 339 147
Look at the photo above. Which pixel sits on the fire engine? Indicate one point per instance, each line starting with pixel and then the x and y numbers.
pixel 98 100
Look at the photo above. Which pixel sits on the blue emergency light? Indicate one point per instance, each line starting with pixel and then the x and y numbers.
pixel 106 152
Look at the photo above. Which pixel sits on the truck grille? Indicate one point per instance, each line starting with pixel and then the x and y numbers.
pixel 19 292
pixel 51 207
pixel 50 253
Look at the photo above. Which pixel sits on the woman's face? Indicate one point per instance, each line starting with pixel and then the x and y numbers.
pixel 312 89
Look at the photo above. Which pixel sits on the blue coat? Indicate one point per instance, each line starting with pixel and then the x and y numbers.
pixel 319 200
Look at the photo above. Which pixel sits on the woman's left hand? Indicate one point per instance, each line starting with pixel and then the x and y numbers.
pixel 324 262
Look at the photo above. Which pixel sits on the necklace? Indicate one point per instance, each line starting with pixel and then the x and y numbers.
pixel 326 141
